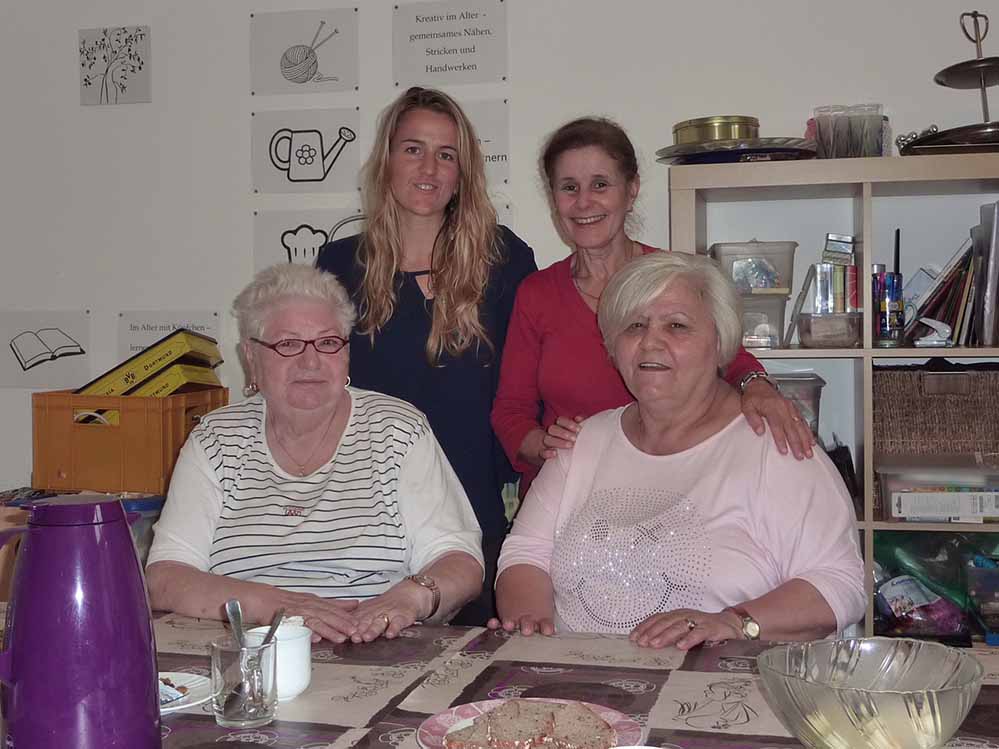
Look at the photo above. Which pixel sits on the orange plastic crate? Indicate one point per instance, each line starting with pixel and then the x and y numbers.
pixel 74 452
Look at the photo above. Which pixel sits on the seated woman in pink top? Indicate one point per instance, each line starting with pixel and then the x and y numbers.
pixel 555 370
pixel 670 519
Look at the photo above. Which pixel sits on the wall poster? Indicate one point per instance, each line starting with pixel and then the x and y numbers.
pixel 114 65
pixel 304 51
pixel 491 119
pixel 139 329
pixel 305 150
pixel 297 236
pixel 443 43
pixel 44 349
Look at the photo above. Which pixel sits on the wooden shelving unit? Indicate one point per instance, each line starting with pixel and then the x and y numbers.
pixel 693 188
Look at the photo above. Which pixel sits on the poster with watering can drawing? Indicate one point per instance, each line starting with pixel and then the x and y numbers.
pixel 303 51
pixel 305 150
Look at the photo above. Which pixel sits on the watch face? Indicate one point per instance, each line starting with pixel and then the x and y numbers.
pixel 751 628
pixel 424 580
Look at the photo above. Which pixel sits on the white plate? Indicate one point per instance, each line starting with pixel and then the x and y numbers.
pixel 199 690
pixel 431 733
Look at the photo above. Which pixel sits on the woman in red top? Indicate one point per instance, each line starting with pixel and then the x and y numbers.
pixel 555 370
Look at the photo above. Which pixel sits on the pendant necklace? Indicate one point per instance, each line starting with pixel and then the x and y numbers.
pixel 287 452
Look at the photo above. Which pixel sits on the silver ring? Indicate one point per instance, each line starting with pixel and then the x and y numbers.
pixel 691 624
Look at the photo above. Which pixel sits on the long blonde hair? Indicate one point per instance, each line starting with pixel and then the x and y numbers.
pixel 466 248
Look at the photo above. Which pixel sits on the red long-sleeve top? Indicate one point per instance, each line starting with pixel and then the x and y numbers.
pixel 555 363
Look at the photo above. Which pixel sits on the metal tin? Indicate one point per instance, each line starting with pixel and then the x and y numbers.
pixel 720 127
pixel 824 303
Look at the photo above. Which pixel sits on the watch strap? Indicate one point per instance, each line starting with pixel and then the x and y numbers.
pixel 749 626
pixel 757 375
pixel 430 584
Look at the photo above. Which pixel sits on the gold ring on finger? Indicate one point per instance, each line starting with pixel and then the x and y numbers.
pixel 796 418
pixel 385 618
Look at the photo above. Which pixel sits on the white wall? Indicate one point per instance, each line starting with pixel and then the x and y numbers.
pixel 148 206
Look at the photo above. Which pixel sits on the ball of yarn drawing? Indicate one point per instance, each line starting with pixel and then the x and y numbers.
pixel 299 63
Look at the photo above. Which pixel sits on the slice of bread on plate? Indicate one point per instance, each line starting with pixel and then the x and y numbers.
pixel 534 724
pixel 520 724
pixel 474 736
pixel 578 727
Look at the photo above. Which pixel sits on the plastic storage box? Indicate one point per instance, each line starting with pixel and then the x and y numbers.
pixel 73 450
pixel 756 265
pixel 805 389
pixel 763 320
pixel 833 330
pixel 941 475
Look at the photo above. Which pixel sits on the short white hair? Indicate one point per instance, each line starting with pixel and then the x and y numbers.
pixel 285 281
pixel 639 282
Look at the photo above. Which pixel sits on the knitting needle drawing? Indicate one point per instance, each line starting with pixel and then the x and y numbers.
pixel 300 63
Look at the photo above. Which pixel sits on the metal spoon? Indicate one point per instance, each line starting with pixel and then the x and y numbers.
pixel 235 613
pixel 235 701
pixel 275 623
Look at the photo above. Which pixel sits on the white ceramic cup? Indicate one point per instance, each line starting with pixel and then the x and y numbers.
pixel 294 657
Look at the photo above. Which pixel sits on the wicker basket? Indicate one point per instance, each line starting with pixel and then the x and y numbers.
pixel 922 413
pixel 948 413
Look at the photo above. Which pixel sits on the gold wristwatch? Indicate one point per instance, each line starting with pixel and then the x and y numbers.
pixel 430 584
pixel 749 626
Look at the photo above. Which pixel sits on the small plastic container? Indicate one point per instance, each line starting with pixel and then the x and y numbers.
pixel 763 320
pixel 805 390
pixel 148 509
pixel 756 265
pixel 830 330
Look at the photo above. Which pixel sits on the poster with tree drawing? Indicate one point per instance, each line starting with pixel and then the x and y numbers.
pixel 114 65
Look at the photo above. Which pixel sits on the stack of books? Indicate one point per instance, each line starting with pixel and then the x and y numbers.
pixel 179 362
pixel 963 295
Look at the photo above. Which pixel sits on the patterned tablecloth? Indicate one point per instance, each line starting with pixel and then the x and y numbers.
pixel 375 696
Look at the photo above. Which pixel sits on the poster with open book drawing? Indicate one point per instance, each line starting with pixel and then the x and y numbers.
pixel 45 349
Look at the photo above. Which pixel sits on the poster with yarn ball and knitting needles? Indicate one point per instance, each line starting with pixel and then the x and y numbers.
pixel 303 51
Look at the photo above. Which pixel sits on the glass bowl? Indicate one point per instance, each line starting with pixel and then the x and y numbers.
pixel 876 692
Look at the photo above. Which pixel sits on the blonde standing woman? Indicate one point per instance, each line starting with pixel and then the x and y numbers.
pixel 434 278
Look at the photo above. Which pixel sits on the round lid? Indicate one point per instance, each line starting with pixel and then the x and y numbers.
pixel 75 509
pixel 723 119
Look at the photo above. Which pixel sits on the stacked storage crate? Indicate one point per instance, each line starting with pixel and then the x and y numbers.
pixel 762 272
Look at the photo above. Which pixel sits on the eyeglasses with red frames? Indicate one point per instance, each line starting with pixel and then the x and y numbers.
pixel 327 344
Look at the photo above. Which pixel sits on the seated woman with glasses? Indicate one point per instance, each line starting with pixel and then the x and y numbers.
pixel 333 503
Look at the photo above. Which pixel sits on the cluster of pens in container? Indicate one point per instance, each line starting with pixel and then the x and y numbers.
pixel 888 322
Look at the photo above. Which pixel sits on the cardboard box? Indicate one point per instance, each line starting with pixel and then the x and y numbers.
pixel 136 454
